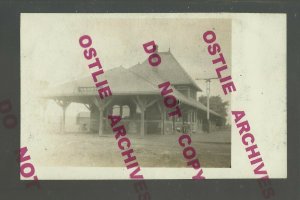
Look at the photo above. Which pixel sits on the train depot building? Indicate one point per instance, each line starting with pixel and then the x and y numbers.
pixel 137 98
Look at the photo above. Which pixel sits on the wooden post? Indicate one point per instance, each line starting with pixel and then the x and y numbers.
pixel 189 117
pixel 143 104
pixel 100 121
pixel 194 118
pixel 64 119
pixel 121 111
pixel 143 122
pixel 162 117
pixel 101 104
pixel 191 121
pixel 196 121
pixel 64 105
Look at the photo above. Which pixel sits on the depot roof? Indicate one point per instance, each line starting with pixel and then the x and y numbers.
pixel 169 69
pixel 140 79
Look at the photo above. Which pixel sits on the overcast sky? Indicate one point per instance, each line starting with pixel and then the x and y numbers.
pixel 50 50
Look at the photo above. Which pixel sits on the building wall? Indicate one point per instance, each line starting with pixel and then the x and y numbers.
pixel 153 121
pixel 187 90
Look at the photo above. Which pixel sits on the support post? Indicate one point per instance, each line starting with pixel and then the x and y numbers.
pixel 182 123
pixel 101 104
pixel 143 104
pixel 208 96
pixel 196 121
pixel 64 105
pixel 64 119
pixel 121 111
pixel 143 122
pixel 163 118
pixel 101 121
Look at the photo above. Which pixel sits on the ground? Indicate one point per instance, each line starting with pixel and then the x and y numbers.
pixel 91 150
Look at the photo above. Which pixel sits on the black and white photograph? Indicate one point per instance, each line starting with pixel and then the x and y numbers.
pixel 67 126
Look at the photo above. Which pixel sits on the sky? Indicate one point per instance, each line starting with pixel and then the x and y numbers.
pixel 50 50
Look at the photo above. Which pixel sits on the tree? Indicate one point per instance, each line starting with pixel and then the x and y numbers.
pixel 216 104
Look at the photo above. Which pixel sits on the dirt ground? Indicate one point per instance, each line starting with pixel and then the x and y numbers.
pixel 91 150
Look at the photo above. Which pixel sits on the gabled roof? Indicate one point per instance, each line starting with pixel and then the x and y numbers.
pixel 168 69
pixel 141 79
pixel 120 80
pixel 156 76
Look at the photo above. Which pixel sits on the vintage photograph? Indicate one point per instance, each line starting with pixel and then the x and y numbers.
pixel 145 100
pixel 68 122
pixel 161 96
